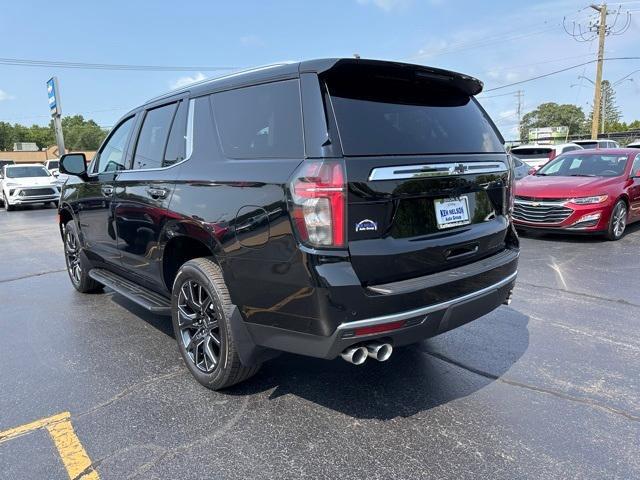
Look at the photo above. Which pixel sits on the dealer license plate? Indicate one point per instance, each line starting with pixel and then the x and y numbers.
pixel 451 212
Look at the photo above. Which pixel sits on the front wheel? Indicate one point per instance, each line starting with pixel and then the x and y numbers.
pixel 77 265
pixel 618 221
pixel 201 310
pixel 7 206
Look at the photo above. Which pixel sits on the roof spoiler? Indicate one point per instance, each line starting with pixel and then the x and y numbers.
pixel 464 83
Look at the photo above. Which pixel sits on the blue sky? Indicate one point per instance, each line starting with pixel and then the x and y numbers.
pixel 499 42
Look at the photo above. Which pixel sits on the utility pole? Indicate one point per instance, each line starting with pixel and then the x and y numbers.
pixel 519 96
pixel 602 30
pixel 598 28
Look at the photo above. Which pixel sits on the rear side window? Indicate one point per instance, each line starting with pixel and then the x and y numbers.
pixel 525 153
pixel 177 143
pixel 384 113
pixel 260 121
pixel 153 137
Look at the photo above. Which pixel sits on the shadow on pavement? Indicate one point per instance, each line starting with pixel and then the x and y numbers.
pixel 416 378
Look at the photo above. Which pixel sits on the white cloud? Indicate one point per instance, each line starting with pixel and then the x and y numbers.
pixel 251 41
pixel 5 96
pixel 387 5
pixel 186 80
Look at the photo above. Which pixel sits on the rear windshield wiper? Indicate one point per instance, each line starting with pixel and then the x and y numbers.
pixel 581 175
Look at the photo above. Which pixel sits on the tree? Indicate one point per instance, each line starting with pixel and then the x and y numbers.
pixel 612 113
pixel 81 134
pixel 552 115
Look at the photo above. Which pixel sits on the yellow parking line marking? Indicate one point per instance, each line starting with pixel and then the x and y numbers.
pixel 72 453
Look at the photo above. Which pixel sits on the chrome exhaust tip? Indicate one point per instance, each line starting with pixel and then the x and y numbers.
pixel 355 355
pixel 379 351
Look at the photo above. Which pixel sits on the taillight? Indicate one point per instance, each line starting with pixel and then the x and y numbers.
pixel 318 196
pixel 552 154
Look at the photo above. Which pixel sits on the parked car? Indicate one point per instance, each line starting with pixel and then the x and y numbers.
pixel 27 183
pixel 588 191
pixel 537 155
pixel 520 169
pixel 586 144
pixel 634 144
pixel 52 166
pixel 236 207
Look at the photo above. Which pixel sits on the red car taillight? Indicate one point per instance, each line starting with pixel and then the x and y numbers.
pixel 318 197
pixel 552 154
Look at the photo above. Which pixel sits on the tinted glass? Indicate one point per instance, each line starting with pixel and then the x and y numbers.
pixel 25 172
pixel 153 138
pixel 635 168
pixel 54 164
pixel 585 165
pixel 382 113
pixel 586 145
pixel 260 121
pixel 177 143
pixel 529 153
pixel 111 157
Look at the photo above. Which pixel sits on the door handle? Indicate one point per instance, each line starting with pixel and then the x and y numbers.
pixel 107 190
pixel 157 193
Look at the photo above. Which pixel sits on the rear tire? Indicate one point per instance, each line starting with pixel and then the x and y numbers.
pixel 201 310
pixel 77 264
pixel 618 221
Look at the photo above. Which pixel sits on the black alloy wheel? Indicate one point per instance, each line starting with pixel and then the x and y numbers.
pixel 199 326
pixel 202 314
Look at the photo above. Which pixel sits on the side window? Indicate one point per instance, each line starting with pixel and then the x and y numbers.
pixel 568 149
pixel 111 158
pixel 260 121
pixel 635 168
pixel 177 143
pixel 153 138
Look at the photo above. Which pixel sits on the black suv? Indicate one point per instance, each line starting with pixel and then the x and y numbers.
pixel 325 208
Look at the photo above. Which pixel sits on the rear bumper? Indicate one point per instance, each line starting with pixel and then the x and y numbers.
pixel 419 324
pixel 325 320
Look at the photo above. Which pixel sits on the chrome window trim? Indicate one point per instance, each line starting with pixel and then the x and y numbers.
pixel 436 170
pixel 425 310
pixel 189 146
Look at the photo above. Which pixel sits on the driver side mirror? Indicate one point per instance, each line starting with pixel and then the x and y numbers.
pixel 74 164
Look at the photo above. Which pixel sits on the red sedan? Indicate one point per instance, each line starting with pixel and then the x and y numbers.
pixel 588 191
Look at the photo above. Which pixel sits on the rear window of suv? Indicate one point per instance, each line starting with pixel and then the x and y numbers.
pixel 525 153
pixel 387 113
pixel 260 121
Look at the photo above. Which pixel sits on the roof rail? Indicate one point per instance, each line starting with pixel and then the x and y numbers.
pixel 222 77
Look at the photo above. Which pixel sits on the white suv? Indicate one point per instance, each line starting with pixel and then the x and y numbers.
pixel 27 183
pixel 597 143
pixel 537 155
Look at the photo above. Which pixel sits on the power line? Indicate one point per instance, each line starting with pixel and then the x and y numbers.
pixel 108 66
pixel 549 74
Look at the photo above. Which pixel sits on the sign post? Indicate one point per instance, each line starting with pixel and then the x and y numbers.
pixel 55 107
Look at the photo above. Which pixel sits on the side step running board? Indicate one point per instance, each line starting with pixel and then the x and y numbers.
pixel 144 297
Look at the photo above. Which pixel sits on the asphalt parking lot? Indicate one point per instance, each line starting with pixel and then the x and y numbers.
pixel 548 387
